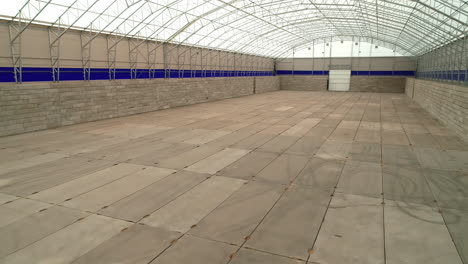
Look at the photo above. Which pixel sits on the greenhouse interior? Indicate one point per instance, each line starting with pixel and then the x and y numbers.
pixel 234 131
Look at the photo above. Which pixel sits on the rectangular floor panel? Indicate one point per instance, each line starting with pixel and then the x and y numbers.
pixel 218 161
pixel 282 231
pixel 37 178
pixel 108 194
pixel 249 165
pixel 34 227
pixel 283 169
pixel 189 208
pixel 56 248
pixel 237 217
pixel 138 244
pixel 144 202
pixel 71 189
pixel 416 235
pixel 196 250
pixel 352 232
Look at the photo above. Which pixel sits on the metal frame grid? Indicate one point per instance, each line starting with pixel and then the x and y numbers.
pixel 263 27
pixel 447 63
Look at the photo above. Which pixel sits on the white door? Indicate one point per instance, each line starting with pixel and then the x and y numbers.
pixel 338 80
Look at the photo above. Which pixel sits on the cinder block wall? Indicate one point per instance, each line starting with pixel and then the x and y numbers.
pixel 377 84
pixel 35 106
pixel 447 102
pixel 265 84
pixel 303 83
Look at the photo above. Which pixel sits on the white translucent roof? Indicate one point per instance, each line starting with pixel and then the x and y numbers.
pixel 262 27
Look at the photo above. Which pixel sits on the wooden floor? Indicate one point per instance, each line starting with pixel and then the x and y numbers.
pixel 282 177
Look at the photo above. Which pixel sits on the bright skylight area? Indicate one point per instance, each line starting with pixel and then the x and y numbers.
pixel 264 27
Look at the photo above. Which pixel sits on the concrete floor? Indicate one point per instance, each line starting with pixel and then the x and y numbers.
pixel 282 177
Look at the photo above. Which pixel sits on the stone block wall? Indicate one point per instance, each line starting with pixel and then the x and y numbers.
pixel 264 84
pixel 377 84
pixel 29 107
pixel 447 102
pixel 303 83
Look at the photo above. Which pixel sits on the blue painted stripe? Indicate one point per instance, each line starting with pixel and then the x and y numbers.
pixel 461 75
pixel 31 74
pixel 372 73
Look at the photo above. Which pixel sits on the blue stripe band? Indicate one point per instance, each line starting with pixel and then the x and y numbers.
pixel 30 74
pixel 372 73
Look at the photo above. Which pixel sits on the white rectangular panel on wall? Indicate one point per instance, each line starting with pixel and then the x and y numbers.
pixel 339 80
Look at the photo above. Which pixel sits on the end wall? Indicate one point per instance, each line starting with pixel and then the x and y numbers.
pixel 447 102
pixel 303 83
pixel 377 84
pixel 35 106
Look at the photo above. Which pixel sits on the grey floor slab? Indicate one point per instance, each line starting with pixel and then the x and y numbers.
pixel 282 230
pixel 218 161
pixel 237 217
pixel 144 202
pixel 5 198
pixel 417 235
pixel 399 155
pixel 254 141
pixel 29 162
pixel 412 128
pixel 457 224
pixel 185 135
pixel 392 137
pixel 392 126
pixel 37 178
pixel 108 194
pixel 343 134
pixel 247 256
pixel 361 178
pixel 283 170
pixel 189 157
pixel 84 184
pixel 451 142
pixel 128 150
pixel 34 227
pixel 450 188
pixel 279 144
pixel 320 131
pixel 306 146
pixel 200 131
pixel 152 158
pixel 321 173
pixel 329 122
pixel 207 137
pixel 19 208
pixel 369 152
pixel 188 209
pixel 301 128
pixel 349 124
pixel 369 136
pixel 352 232
pixel 195 250
pixel 56 248
pixel 334 150
pixel 442 159
pixel 139 244
pixel 249 165
pixel 423 140
pixel 406 185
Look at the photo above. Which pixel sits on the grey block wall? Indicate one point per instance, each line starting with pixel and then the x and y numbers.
pixel 265 84
pixel 377 84
pixel 303 83
pixel 35 106
pixel 447 102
